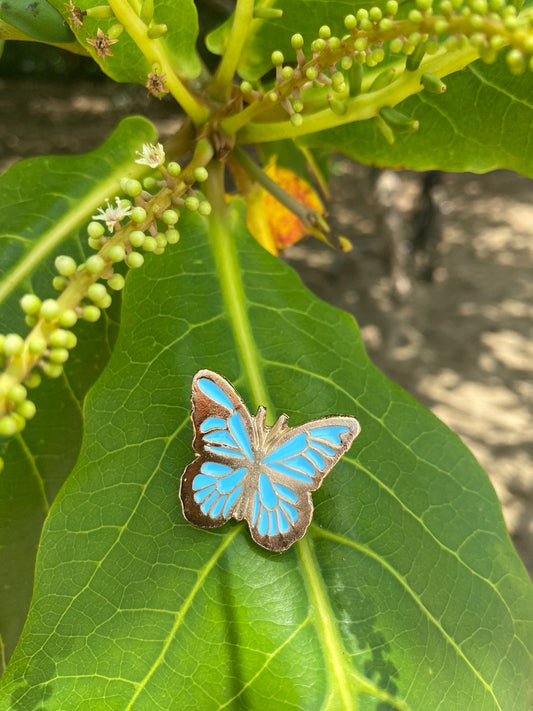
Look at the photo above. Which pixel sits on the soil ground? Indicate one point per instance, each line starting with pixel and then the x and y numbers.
pixel 461 344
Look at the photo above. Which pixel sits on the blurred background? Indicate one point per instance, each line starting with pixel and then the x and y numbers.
pixel 440 278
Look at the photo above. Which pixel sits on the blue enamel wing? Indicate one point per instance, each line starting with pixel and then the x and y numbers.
pixel 246 470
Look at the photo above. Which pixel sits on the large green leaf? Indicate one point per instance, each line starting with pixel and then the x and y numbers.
pixel 44 203
pixel 405 593
pixel 484 121
pixel 36 20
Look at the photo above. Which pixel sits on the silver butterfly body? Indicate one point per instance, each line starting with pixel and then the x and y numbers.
pixel 247 470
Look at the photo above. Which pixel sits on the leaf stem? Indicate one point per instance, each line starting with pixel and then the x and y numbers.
pixel 154 51
pixel 223 79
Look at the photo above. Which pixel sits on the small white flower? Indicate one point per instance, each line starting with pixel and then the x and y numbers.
pixel 152 156
pixel 113 215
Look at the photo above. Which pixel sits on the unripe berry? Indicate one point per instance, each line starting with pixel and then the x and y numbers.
pixel 27 409
pixel 19 421
pixel 137 238
pixel 49 309
pixel 66 266
pixel 318 45
pixel 94 243
pixel 200 174
pixel 30 320
pixel 116 253
pixel 95 264
pixel 204 208
pixel 68 318
pixel 246 87
pixel 375 14
pixel 71 341
pixel 172 236
pixel 174 168
pixel 17 393
pixel 58 338
pixel 415 16
pixel 170 217
pixel 391 7
pixel 149 183
pixel 95 229
pixel 161 241
pixel 277 58
pixel 8 426
pixel 52 370
pixel 96 292
pixel 90 313
pixel 311 73
pixel 138 214
pixel 30 304
pixel 116 282
pixel 134 260
pixel 297 41
pixel 298 105
pixel 324 32
pixel 58 355
pixel 133 188
pixel 149 244
pixel 105 302
pixel 350 22
pixel 33 379
pixel 13 344
pixel 37 345
pixel 287 72
pixel 192 203
pixel 60 283
pixel 515 61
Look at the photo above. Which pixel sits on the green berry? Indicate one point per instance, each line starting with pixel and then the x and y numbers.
pixel 311 73
pixel 161 241
pixel 174 169
pixel 27 409
pixel 318 45
pixel 396 45
pixel 277 58
pixel 72 340
pixel 30 304
pixel 297 120
pixel 287 72
pixel 391 7
pixel 30 321
pixel 192 203
pixel 17 393
pixel 58 355
pixel 150 182
pixel 170 217
pixel 95 229
pixel 137 238
pixel 297 41
pixel 298 105
pixel 66 266
pixel 90 313
pixel 133 188
pixel 37 345
pixel 68 318
pixel 173 236
pixel 138 214
pixel 116 282
pixel 441 26
pixel 204 208
pixel 49 309
pixel 33 379
pixel 96 292
pixel 94 243
pixel 60 283
pixel 95 264
pixel 350 22
pixel 52 370
pixel 13 344
pixel 134 260
pixel 424 4
pixel 149 244
pixel 375 14
pixel 200 174
pixel 105 302
pixel 361 14
pixel 246 88
pixel 346 63
pixel 415 16
pixel 324 32
pixel 515 61
pixel 8 426
pixel 58 338
pixel 116 253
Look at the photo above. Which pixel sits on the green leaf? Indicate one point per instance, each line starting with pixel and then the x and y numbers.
pixel 405 593
pixel 45 202
pixel 128 64
pixel 484 121
pixel 33 19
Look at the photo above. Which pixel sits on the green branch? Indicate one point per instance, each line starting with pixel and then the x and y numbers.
pixel 155 51
pixel 223 79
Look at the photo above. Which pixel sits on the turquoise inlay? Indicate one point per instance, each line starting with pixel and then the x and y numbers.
pixel 209 388
pixel 212 423
pixel 215 468
pixel 256 508
pixel 272 523
pixel 290 449
pixel 217 508
pixel 202 495
pixel 331 434
pixel 267 493
pixel 200 481
pixel 219 449
pixel 285 493
pixel 239 433
pixel 208 503
pixel 324 448
pixel 282 469
pixel 226 484
pixel 231 500
pixel 263 522
pixel 317 460
pixel 220 437
pixel 289 511
pixel 302 464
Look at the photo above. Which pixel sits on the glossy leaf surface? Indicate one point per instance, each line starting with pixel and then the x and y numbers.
pixel 404 594
pixel 45 202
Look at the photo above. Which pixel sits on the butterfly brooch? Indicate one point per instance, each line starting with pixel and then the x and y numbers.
pixel 246 470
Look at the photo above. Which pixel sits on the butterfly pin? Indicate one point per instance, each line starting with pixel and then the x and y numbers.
pixel 246 470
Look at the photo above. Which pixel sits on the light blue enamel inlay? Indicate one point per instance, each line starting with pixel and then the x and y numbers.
pixel 290 449
pixel 289 511
pixel 209 388
pixel 302 464
pixel 285 493
pixel 217 508
pixel 282 469
pixel 317 460
pixel 239 433
pixel 256 508
pixel 220 437
pixel 267 493
pixel 324 449
pixel 212 423
pixel 215 468
pixel 283 523
pixel 263 522
pixel 231 500
pixel 208 502
pixel 272 523
pixel 219 449
pixel 331 434
pixel 228 483
pixel 200 481
pixel 202 495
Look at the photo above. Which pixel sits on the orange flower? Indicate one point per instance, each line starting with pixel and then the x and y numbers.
pixel 271 223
